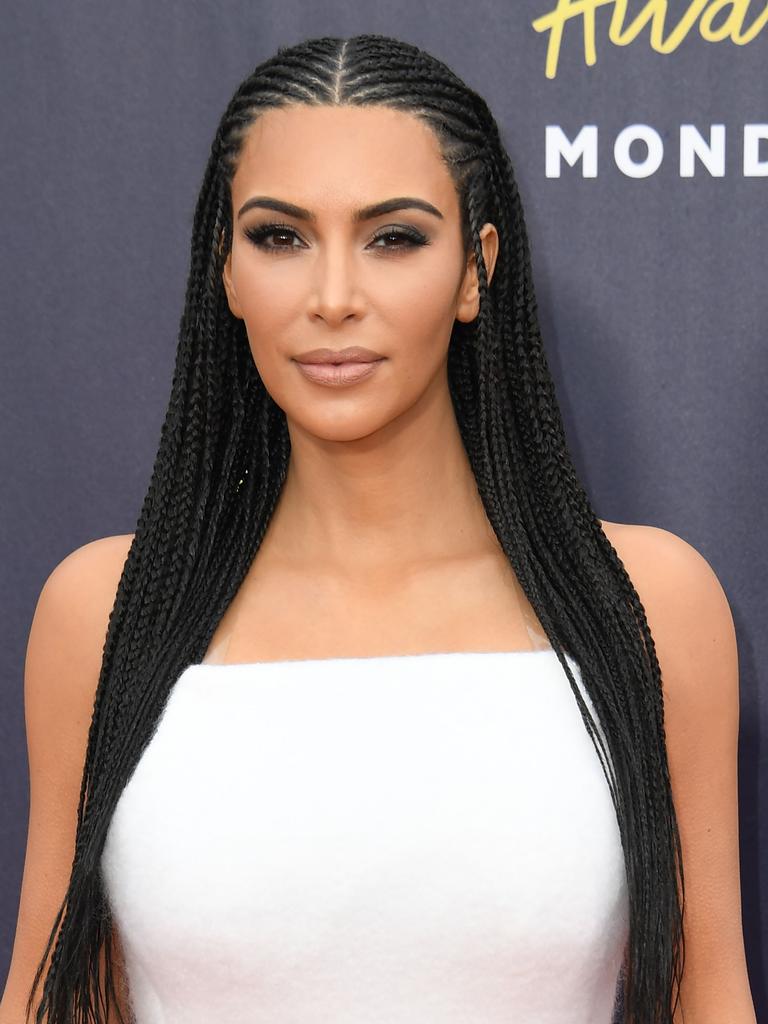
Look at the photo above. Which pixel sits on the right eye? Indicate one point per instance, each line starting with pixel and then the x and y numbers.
pixel 258 235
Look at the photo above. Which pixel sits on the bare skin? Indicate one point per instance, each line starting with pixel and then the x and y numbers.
pixel 380 544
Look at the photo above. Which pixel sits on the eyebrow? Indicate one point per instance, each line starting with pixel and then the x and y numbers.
pixel 366 213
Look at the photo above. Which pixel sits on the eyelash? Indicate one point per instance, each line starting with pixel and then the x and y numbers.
pixel 258 235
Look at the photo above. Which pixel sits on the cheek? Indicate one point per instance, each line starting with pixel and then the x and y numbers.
pixel 270 302
pixel 423 303
pixel 265 297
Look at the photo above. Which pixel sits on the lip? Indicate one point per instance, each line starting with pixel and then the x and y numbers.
pixel 339 374
pixel 353 354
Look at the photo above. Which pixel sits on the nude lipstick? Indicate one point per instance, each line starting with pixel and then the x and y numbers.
pixel 338 368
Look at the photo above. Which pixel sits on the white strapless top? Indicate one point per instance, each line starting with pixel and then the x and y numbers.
pixel 412 839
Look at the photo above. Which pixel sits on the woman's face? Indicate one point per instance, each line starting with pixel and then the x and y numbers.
pixel 391 282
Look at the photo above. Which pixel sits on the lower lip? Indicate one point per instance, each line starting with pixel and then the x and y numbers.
pixel 338 374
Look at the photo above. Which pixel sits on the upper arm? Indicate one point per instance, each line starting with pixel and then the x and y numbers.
pixel 693 631
pixel 61 672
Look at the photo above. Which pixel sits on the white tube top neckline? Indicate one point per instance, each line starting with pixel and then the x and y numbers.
pixel 366 658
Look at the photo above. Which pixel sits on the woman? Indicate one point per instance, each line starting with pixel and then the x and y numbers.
pixel 464 724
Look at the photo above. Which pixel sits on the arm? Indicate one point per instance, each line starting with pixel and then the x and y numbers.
pixel 692 627
pixel 61 672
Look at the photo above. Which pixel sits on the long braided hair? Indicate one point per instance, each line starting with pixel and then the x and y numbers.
pixel 220 466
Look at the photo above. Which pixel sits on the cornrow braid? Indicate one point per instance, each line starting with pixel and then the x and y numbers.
pixel 220 466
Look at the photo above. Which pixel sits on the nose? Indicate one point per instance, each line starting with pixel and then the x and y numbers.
pixel 335 293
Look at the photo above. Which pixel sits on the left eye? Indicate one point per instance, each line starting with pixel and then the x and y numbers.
pixel 402 238
pixel 407 237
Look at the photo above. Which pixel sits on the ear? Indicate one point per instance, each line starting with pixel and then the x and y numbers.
pixel 229 288
pixel 469 294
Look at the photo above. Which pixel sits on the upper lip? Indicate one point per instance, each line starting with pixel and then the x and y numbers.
pixel 355 354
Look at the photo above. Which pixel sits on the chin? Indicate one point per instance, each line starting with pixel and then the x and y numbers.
pixel 338 427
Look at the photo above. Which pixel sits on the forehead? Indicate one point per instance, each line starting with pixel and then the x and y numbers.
pixel 323 156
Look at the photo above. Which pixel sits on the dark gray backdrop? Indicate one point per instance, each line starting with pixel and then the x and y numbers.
pixel 652 290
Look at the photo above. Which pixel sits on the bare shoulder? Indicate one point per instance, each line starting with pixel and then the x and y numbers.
pixel 69 626
pixel 61 672
pixel 686 606
pixel 98 563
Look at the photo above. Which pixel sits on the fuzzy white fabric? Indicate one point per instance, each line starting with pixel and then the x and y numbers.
pixel 413 839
